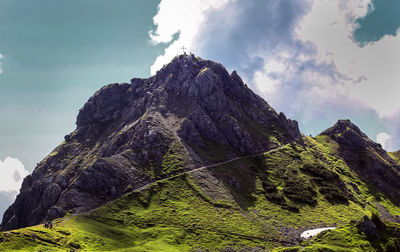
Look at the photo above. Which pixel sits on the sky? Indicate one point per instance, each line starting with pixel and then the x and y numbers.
pixel 315 60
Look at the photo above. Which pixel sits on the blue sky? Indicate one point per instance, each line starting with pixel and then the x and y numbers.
pixel 382 19
pixel 317 61
pixel 56 55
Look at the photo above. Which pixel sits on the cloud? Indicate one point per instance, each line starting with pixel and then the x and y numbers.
pixel 300 55
pixel 1 66
pixel 392 128
pixel 181 18
pixel 12 173
pixel 384 139
pixel 369 73
pixel 6 199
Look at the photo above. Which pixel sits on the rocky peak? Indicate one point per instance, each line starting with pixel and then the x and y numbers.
pixel 186 76
pixel 193 76
pixel 191 113
pixel 106 104
pixel 190 88
pixel 188 66
pixel 345 132
pixel 342 126
pixel 366 157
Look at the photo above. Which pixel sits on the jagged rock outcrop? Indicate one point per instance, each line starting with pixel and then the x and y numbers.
pixel 368 227
pixel 191 113
pixel 374 228
pixel 366 158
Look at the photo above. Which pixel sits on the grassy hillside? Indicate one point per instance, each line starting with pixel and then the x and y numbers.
pixel 395 155
pixel 262 202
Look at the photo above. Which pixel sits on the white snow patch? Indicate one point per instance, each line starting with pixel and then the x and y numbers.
pixel 313 232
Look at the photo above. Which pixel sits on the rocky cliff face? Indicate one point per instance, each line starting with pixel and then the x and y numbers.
pixel 367 158
pixel 191 113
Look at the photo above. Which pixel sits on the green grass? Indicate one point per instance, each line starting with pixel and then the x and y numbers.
pixel 260 202
pixel 213 151
pixel 203 70
pixel 171 162
pixel 349 238
pixel 167 215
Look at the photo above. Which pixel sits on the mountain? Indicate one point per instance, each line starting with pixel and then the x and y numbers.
pixel 366 158
pixel 192 160
pixel 191 113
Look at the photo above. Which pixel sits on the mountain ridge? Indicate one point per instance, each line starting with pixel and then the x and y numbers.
pixel 191 113
pixel 366 157
pixel 191 159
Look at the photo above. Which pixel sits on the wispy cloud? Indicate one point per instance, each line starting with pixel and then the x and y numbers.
pixel 1 66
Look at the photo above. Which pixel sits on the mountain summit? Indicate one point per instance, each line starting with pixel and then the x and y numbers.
pixel 192 160
pixel 347 133
pixel 191 113
pixel 366 157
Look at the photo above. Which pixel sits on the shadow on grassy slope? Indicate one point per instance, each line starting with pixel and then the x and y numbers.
pixel 261 202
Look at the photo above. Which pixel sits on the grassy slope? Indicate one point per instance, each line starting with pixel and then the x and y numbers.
pixel 263 202
pixel 348 238
pixel 395 155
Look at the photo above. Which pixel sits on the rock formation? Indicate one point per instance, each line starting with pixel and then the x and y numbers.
pixel 366 158
pixel 191 113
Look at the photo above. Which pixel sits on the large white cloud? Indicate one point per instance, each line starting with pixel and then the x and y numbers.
pixel 182 19
pixel 12 173
pixel 299 55
pixel 369 73
pixel 384 139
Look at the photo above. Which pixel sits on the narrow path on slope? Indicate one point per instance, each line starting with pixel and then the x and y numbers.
pixel 154 182
pixel 187 172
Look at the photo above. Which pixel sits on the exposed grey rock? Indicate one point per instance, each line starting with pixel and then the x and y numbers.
pixel 124 131
pixel 55 212
pixel 366 158
pixel 368 227
pixel 105 105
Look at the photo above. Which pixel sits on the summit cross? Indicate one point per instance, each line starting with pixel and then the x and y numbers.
pixel 183 49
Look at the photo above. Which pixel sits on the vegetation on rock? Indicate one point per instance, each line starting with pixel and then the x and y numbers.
pixel 192 160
